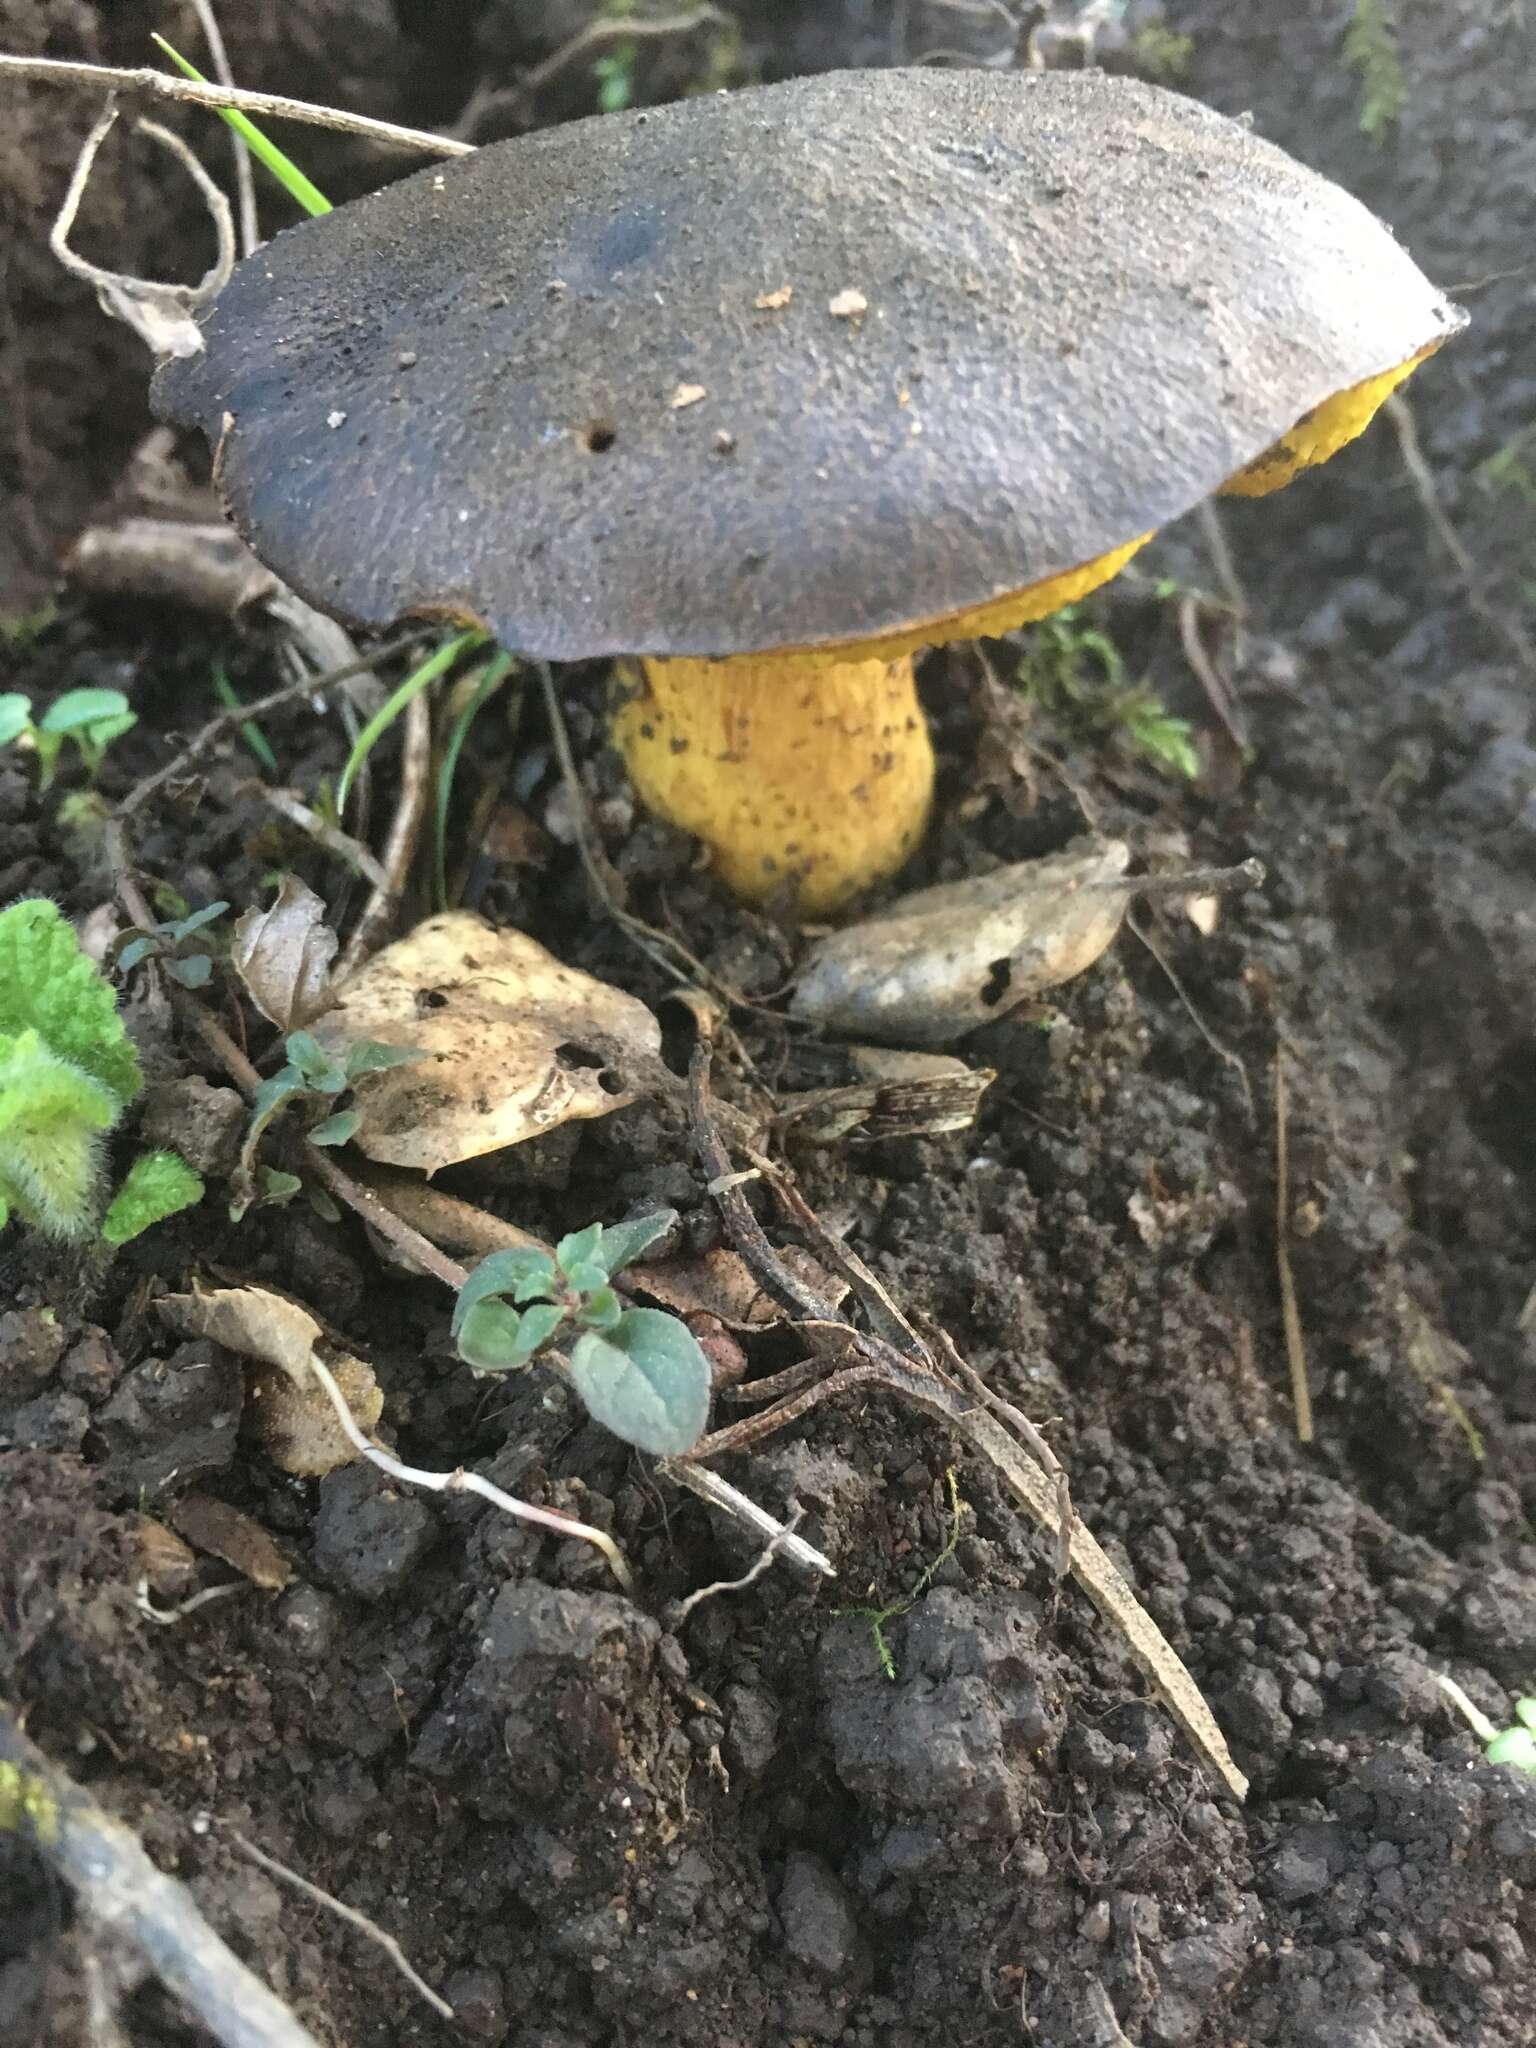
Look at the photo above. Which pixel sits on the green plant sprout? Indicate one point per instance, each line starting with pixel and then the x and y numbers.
pixel 495 673
pixel 1370 48
pixel 164 943
pixel 261 146
pixel 92 719
pixel 68 1071
pixel 309 1072
pixel 877 1617
pixel 425 673
pixel 638 1371
pixel 251 733
pixel 1515 1746
pixel 1076 674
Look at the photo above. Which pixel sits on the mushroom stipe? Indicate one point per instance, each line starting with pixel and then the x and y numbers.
pixel 953 343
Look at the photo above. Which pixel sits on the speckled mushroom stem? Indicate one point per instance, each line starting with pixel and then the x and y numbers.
pixel 803 775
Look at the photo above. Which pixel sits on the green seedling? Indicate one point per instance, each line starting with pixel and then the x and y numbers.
pixel 1076 674
pixel 1370 49
pixel 261 146
pixel 91 719
pixel 493 676
pixel 638 1371
pixel 68 1071
pixel 309 1074
pixel 251 733
pixel 167 944
pixel 877 1617
pixel 1515 1746
pixel 420 678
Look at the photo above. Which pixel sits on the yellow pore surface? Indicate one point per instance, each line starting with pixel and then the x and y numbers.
pixel 1319 433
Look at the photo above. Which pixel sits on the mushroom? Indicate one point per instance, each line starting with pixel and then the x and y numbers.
pixel 772 388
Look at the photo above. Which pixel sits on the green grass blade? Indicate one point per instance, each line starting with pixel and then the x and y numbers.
pixel 250 731
pixel 496 673
pixel 283 168
pixel 420 677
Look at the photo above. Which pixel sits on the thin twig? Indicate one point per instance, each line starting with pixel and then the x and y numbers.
pixel 1217 689
pixel 598 36
pixel 1223 561
pixel 404 835
pixel 167 1617
pixel 719 1493
pixel 1290 1313
pixel 350 1914
pixel 193 92
pixel 1222 1052
pixel 245 182
pixel 325 834
pixel 119 1888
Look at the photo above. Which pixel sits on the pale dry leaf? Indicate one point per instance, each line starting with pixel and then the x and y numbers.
pixel 938 963
pixel 718 1283
pixel 283 956
pixel 773 302
pixel 848 305
pixel 686 395
pixel 249 1321
pixel 234 1537
pixel 297 1427
pixel 512 1041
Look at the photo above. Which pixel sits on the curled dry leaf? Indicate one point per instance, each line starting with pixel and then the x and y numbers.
pixel 888 1094
pixel 513 1042
pixel 937 964
pixel 235 1538
pixel 287 1411
pixel 283 956
pixel 718 1283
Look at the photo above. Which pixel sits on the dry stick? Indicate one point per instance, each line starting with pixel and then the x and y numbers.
pixel 1514 635
pixel 245 182
pixel 1222 1052
pixel 1223 561
pixel 1217 689
pixel 119 1888
pixel 192 92
pixel 604 35
pixel 719 1493
pixel 749 1577
pixel 914 1376
pixel 325 834
pixel 1290 1314
pixel 404 835
pixel 350 1914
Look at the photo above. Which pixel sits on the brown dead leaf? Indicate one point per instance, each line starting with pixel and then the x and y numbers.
pixel 283 955
pixel 718 1283
pixel 224 1532
pixel 297 1426
pixel 250 1322
pixel 772 302
pixel 848 305
pixel 938 963
pixel 513 1042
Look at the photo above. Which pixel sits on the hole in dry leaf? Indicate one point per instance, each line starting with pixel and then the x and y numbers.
pixel 999 976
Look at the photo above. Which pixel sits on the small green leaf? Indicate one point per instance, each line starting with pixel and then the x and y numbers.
pixel 586 1276
pixel 337 1129
pixel 623 1242
pixel 78 710
pixel 319 1199
pixel 1525 1712
pixel 277 1187
pixel 193 972
pixel 15 716
pixel 136 950
pixel 183 927
pixel 261 146
pixel 1515 1746
pixel 521 1274
pixel 495 1338
pixel 578 1247
pixel 270 1098
pixel 601 1309
pixel 160 1184
pixel 367 1056
pixel 314 1063
pixel 646 1380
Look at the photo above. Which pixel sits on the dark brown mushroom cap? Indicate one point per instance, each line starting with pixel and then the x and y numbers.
pixel 1088 302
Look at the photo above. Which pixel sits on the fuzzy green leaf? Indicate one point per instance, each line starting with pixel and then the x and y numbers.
pixel 51 1118
pixel 319 1070
pixel 622 1242
pixel 337 1129
pixel 367 1056
pixel 579 1246
pixel 601 1310
pixel 495 1338
pixel 521 1275
pixel 646 1380
pixel 15 716
pixel 1515 1746
pixel 81 710
pixel 48 985
pixel 160 1184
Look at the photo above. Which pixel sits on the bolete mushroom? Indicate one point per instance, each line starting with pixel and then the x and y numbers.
pixel 773 388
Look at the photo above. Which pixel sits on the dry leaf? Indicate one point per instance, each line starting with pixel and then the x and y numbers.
pixel 848 305
pixel 250 1322
pixel 514 1042
pixel 687 394
pixel 224 1532
pixel 890 1094
pixel 937 964
pixel 771 302
pixel 283 956
pixel 718 1283
pixel 297 1426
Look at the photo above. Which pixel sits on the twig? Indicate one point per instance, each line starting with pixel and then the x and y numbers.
pixel 350 1914
pixel 193 92
pixel 1217 689
pixel 331 837
pixel 1473 1714
pixel 1223 562
pixel 1404 425
pixel 1222 1052
pixel 603 35
pixel 1290 1313
pixel 119 1888
pixel 160 314
pixel 404 835
pixel 167 1617
pixel 1248 874
pixel 245 183
pixel 710 1487
pixel 461 1481
pixel 683 1608
pixel 445 1218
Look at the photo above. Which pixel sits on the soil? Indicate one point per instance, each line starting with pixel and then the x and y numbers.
pixel 592 1828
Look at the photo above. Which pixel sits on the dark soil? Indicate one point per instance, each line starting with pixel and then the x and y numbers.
pixel 590 1832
